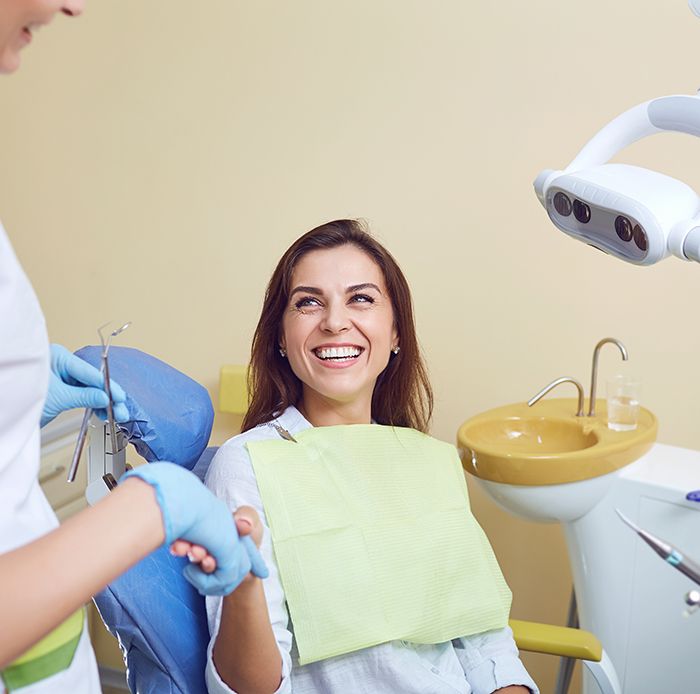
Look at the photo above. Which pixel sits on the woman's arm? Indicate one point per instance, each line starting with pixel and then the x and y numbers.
pixel 45 581
pixel 491 663
pixel 245 652
pixel 250 640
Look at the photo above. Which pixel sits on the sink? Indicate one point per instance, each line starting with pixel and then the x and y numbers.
pixel 543 462
pixel 529 435
pixel 548 444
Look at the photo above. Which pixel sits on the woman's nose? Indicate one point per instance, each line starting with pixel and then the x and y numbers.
pixel 336 319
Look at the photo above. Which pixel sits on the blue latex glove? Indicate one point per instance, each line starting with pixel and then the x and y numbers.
pixel 75 383
pixel 191 512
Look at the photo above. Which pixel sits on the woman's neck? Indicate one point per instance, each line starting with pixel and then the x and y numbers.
pixel 322 412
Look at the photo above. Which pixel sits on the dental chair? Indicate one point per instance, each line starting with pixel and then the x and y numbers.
pixel 158 618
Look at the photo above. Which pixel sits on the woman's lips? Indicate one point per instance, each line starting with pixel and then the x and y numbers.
pixel 345 356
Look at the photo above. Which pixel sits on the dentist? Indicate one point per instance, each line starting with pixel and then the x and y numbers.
pixel 47 572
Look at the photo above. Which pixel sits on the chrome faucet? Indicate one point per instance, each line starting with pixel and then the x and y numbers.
pixel 554 384
pixel 594 370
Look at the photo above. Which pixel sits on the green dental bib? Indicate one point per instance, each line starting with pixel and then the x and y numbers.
pixel 375 540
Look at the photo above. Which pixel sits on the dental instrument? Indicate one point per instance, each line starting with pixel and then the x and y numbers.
pixel 104 369
pixel 282 432
pixel 632 213
pixel 666 551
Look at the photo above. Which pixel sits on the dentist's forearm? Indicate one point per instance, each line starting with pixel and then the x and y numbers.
pixel 245 653
pixel 44 582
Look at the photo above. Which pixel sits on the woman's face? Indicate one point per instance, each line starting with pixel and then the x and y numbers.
pixel 19 19
pixel 338 328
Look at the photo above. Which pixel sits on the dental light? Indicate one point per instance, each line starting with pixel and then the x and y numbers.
pixel 635 214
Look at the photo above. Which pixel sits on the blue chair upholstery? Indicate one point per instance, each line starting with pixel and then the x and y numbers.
pixel 158 617
pixel 159 620
pixel 161 624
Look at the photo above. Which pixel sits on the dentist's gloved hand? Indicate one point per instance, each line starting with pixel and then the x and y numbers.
pixel 75 383
pixel 247 523
pixel 192 513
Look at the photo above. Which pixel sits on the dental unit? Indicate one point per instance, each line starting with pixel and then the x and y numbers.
pixel 552 463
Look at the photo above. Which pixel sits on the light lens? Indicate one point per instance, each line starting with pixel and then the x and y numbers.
pixel 640 238
pixel 623 228
pixel 582 212
pixel 562 204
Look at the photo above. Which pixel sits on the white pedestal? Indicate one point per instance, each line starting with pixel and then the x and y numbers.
pixel 627 595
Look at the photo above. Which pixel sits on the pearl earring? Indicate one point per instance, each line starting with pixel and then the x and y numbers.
pixel 283 353
pixel 396 349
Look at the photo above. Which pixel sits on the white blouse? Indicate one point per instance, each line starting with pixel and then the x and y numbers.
pixel 477 664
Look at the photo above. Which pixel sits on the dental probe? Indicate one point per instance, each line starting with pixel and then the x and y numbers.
pixel 80 444
pixel 82 434
pixel 666 551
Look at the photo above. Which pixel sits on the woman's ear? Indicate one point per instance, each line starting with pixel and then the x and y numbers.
pixel 395 348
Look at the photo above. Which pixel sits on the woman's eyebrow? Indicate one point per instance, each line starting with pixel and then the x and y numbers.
pixel 360 287
pixel 306 290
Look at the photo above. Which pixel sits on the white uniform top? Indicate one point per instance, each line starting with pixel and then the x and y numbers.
pixel 477 664
pixel 25 513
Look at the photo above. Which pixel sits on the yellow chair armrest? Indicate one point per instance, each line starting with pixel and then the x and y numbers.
pixel 555 640
pixel 233 389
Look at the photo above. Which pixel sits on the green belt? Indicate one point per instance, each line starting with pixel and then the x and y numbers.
pixel 53 654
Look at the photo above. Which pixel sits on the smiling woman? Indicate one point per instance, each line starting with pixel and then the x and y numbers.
pixel 336 288
pixel 380 580
pixel 338 333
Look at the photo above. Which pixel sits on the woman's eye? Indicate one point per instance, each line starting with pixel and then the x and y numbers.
pixel 307 302
pixel 362 299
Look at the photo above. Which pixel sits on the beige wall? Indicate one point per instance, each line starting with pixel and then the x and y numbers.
pixel 157 157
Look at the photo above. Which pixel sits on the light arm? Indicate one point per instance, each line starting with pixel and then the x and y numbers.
pixel 628 127
pixel 678 113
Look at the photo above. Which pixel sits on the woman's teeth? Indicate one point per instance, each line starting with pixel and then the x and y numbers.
pixel 338 352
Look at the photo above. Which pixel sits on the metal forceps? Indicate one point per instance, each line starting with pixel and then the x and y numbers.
pixel 104 369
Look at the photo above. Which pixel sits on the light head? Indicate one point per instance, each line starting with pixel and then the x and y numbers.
pixel 635 214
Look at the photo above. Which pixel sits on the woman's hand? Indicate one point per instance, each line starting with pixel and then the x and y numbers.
pixel 247 523
pixel 513 689
pixel 195 553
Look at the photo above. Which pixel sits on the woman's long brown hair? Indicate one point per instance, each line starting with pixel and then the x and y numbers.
pixel 402 394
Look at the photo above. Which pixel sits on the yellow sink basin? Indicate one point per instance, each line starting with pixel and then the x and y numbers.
pixel 548 444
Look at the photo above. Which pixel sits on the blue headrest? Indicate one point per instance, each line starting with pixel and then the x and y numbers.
pixel 170 415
